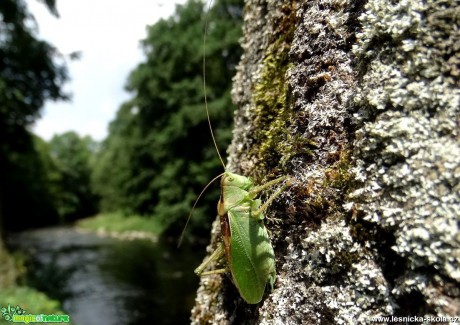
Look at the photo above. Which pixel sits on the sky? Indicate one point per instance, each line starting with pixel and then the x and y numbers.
pixel 108 34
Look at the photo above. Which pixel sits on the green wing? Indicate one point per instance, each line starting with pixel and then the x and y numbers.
pixel 253 259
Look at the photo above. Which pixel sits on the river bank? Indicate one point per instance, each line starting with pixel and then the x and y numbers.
pixel 105 280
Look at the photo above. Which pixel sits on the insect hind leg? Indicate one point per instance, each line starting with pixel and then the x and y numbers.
pixel 259 212
pixel 218 253
pixel 260 188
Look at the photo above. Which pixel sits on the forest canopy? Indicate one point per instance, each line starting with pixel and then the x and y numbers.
pixel 159 153
pixel 31 72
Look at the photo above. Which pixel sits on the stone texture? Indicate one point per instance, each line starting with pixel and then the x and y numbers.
pixel 363 114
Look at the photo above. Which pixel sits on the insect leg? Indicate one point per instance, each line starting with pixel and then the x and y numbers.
pixel 218 253
pixel 259 212
pixel 260 188
pixel 219 271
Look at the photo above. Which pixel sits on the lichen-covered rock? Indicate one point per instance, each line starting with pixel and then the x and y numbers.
pixel 359 103
pixel 407 145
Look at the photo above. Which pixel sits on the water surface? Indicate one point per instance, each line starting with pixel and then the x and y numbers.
pixel 105 281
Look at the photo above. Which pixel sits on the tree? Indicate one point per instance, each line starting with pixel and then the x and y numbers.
pixel 29 74
pixel 159 153
pixel 69 175
pixel 27 197
pixel 358 102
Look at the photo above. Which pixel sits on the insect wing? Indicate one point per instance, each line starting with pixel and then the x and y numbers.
pixel 253 259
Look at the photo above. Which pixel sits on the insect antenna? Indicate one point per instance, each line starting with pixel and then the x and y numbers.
pixel 193 208
pixel 205 33
pixel 204 83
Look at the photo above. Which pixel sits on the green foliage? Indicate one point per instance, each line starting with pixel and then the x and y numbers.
pixel 25 197
pixel 69 175
pixel 12 268
pixel 52 178
pixel 159 153
pixel 31 300
pixel 29 75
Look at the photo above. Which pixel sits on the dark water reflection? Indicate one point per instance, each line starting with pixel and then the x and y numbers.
pixel 104 281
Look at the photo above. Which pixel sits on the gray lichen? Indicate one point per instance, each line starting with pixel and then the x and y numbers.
pixel 407 144
pixel 370 225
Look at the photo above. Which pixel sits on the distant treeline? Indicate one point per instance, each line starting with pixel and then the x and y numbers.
pixel 49 182
pixel 158 154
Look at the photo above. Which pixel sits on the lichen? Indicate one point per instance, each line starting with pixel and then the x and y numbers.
pixel 407 142
pixel 369 226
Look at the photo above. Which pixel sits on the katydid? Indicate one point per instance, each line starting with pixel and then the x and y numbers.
pixel 246 244
pixel 245 241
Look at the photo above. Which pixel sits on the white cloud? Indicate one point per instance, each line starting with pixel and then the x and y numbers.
pixel 107 32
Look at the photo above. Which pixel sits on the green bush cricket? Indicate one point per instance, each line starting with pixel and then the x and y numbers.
pixel 246 244
pixel 245 241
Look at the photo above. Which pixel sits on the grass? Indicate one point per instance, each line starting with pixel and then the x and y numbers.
pixel 29 299
pixel 118 223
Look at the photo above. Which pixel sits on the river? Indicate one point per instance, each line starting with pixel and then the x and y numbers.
pixel 106 281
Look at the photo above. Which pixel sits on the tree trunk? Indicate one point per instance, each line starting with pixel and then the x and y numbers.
pixel 358 101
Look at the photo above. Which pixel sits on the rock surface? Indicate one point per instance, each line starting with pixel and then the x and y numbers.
pixel 358 101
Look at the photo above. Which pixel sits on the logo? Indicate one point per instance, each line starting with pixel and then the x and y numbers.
pixel 18 315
